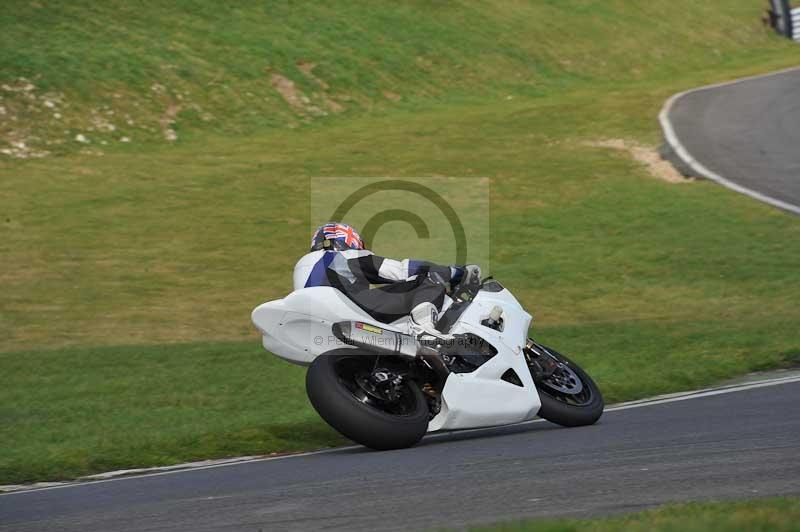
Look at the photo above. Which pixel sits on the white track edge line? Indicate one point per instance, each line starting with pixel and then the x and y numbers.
pixel 708 393
pixel 681 396
pixel 688 158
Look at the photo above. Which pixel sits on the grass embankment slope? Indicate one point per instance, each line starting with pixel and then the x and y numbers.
pixel 772 515
pixel 174 198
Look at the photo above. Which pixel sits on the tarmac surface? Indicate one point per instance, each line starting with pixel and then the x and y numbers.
pixel 747 132
pixel 731 446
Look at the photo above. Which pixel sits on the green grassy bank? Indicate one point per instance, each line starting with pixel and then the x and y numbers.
pixel 773 515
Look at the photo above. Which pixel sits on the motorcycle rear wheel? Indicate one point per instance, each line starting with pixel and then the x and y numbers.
pixel 332 385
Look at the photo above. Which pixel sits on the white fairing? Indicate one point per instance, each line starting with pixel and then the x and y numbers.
pixel 298 329
pixel 482 398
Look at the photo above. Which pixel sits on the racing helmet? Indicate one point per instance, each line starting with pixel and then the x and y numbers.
pixel 335 236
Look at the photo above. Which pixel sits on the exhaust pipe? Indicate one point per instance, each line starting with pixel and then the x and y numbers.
pixel 375 338
pixel 385 342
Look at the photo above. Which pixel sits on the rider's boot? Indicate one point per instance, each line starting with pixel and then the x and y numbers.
pixel 425 316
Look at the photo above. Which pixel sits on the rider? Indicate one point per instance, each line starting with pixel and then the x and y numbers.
pixel 338 259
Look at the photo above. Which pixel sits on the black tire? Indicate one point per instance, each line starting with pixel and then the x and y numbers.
pixel 556 410
pixel 360 422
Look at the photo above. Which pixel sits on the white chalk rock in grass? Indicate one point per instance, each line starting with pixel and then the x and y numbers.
pixel 82 138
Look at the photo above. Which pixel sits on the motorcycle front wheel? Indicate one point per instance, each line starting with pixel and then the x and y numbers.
pixel 345 389
pixel 568 394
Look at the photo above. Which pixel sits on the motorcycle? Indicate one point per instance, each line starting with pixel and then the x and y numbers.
pixel 385 385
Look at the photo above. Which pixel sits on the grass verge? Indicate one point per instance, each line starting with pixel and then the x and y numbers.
pixel 75 411
pixel 774 515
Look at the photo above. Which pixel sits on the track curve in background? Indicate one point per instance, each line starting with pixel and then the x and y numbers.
pixel 745 135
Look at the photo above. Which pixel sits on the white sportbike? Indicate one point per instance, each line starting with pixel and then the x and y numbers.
pixel 384 385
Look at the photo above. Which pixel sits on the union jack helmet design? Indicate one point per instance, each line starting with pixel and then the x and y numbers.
pixel 336 236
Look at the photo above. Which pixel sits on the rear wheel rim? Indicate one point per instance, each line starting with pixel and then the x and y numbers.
pixel 353 374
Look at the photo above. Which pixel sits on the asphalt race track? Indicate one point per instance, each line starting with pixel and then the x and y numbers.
pixel 748 132
pixel 733 446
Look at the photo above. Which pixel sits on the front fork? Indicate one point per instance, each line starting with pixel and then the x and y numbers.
pixel 540 361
